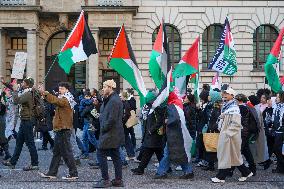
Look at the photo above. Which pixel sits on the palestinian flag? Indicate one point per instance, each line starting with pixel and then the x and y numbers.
pixel 79 45
pixel 272 61
pixel 159 59
pixel 188 65
pixel 163 93
pixel 189 62
pixel 216 82
pixel 224 60
pixel 179 141
pixel 123 61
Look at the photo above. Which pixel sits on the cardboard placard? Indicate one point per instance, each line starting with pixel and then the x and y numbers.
pixel 19 65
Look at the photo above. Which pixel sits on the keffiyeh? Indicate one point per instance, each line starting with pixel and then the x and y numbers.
pixel 70 99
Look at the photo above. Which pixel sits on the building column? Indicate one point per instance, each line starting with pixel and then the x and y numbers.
pixel 32 57
pixel 2 54
pixel 129 34
pixel 93 64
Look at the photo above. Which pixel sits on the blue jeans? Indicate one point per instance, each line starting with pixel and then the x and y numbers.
pixel 165 164
pixel 88 137
pixel 122 156
pixel 128 144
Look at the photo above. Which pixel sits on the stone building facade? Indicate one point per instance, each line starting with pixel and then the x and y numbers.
pixel 40 28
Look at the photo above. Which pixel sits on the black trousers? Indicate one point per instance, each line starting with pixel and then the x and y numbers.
pixel 147 155
pixel 279 138
pixel 62 148
pixel 247 153
pixel 270 144
pixel 223 173
pixel 25 135
pixel 200 146
pixel 47 138
pixel 211 157
pixel 115 156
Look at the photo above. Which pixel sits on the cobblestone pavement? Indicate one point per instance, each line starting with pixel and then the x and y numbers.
pixel 16 179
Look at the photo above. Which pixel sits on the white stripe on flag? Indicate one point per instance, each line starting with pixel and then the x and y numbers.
pixel 163 95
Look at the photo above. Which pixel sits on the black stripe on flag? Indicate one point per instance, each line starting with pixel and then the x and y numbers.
pixel 89 43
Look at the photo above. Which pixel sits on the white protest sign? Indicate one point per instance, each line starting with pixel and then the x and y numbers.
pixel 19 65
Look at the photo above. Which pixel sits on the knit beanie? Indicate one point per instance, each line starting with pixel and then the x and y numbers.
pixel 215 96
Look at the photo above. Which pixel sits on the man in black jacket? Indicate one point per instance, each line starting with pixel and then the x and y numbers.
pixel 111 135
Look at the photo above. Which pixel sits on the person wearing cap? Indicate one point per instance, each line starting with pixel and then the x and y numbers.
pixel 229 144
pixel 25 134
pixel 111 135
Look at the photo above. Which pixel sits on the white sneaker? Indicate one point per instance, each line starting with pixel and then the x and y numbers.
pixel 156 164
pixel 242 179
pixel 216 180
pixel 109 159
pixel 136 160
pixel 178 168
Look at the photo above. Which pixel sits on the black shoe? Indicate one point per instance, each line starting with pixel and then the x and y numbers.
pixel 117 183
pixel 70 177
pixel 169 170
pixel 267 164
pixel 8 164
pixel 208 168
pixel 137 171
pixel 103 184
pixel 187 176
pixel 31 168
pixel 160 176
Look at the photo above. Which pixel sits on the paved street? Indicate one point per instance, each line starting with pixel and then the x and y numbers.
pixel 16 179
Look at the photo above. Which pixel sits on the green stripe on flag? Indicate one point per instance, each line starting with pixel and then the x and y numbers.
pixel 271 74
pixel 65 60
pixel 155 70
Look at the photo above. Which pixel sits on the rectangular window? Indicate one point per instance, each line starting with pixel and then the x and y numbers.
pixel 108 44
pixel 19 43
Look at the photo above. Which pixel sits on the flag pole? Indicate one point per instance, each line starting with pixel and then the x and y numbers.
pixel 51 66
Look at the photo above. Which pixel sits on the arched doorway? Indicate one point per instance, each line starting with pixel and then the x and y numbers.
pixel 77 76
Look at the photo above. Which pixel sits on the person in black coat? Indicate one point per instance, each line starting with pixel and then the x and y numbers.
pixel 190 112
pixel 111 135
pixel 152 137
pixel 268 126
pixel 248 121
pixel 47 126
pixel 132 102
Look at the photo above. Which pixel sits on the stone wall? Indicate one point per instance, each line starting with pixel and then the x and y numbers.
pixel 192 17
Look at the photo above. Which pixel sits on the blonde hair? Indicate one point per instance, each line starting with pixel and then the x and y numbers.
pixel 124 95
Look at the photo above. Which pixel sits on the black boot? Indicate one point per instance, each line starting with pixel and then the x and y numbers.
pixel 137 171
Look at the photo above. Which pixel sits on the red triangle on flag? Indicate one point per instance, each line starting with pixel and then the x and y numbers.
pixel 158 45
pixel 120 49
pixel 76 34
pixel 277 45
pixel 191 56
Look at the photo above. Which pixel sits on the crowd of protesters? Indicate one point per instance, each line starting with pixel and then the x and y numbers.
pixel 250 130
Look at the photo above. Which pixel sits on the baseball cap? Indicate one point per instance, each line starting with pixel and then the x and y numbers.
pixel 230 91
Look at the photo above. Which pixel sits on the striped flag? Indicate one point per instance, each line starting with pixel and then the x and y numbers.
pixel 79 45
pixel 159 59
pixel 224 60
pixel 123 61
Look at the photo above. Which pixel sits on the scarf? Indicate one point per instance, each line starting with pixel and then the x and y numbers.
pixel 70 99
pixel 145 111
pixel 230 107
pixel 21 92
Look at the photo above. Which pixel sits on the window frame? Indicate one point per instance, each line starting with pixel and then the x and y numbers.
pixel 17 45
pixel 258 64
pixel 172 41
pixel 207 41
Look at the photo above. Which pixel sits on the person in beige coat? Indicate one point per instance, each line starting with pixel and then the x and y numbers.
pixel 229 144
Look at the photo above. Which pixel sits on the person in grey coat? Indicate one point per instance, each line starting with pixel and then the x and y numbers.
pixel 111 135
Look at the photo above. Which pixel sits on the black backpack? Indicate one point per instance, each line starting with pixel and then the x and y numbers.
pixel 38 106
